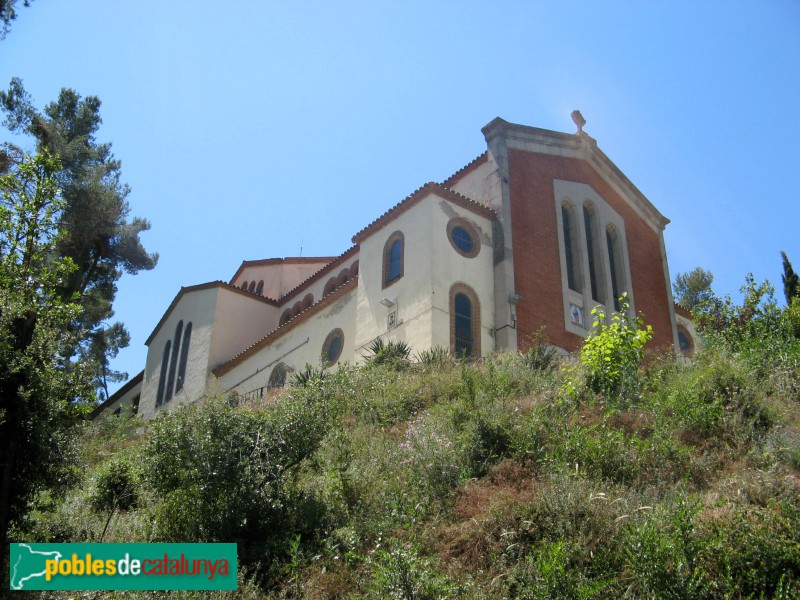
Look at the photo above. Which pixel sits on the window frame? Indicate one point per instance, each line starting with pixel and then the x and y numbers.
pixel 457 289
pixel 395 238
pixel 336 334
pixel 469 228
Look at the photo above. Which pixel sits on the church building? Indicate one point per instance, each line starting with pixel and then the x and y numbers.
pixel 533 233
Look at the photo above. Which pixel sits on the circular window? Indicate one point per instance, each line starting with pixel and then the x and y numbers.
pixel 332 347
pixel 463 237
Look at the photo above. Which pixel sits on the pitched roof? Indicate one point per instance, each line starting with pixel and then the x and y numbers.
pixel 331 266
pixel 466 169
pixel 285 328
pixel 289 260
pixel 132 383
pixel 200 287
pixel 416 197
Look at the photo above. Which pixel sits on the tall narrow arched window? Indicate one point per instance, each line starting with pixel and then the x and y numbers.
pixel 393 258
pixel 593 254
pixel 260 287
pixel 615 264
pixel 465 316
pixel 285 317
pixel 162 378
pixel 187 338
pixel 173 363
pixel 572 252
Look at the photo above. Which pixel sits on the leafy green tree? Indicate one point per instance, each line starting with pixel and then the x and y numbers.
pixel 38 388
pixel 693 288
pixel 791 281
pixel 98 236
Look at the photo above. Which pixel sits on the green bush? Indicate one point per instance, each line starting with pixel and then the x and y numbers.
pixel 225 474
pixel 611 356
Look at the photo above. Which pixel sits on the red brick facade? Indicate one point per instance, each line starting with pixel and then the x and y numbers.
pixel 537 267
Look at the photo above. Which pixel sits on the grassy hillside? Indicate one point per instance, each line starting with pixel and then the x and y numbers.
pixel 520 476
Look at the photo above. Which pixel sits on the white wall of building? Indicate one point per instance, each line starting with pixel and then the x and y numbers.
pixel 197 307
pixel 300 345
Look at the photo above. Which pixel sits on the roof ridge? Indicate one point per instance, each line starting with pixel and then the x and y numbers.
pixel 316 273
pixel 430 187
pixel 478 160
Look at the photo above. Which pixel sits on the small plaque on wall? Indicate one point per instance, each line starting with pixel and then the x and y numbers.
pixel 576 314
pixel 391 320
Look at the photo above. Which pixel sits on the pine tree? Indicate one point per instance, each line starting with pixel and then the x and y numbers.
pixel 97 233
pixel 693 288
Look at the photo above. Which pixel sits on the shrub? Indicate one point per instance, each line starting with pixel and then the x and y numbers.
pixel 611 355
pixel 393 354
pixel 116 487
pixel 225 474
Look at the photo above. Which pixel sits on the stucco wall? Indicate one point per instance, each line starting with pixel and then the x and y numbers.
pixel 431 267
pixel 301 345
pixel 411 292
pixel 239 322
pixel 195 307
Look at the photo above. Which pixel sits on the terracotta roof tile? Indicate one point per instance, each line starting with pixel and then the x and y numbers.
pixel 286 327
pixel 417 196
pixel 205 286
pixel 468 168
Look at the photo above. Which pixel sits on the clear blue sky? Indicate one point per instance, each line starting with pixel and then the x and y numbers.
pixel 248 129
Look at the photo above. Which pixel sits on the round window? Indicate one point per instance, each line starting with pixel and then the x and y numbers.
pixel 463 237
pixel 332 347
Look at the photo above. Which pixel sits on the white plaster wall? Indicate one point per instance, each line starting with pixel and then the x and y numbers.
pixel 318 286
pixel 412 291
pixel 239 322
pixel 482 184
pixel 197 307
pixel 449 267
pixel 301 345
pixel 278 278
pixel 270 274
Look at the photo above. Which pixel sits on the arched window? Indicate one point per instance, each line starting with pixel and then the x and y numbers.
pixel 615 264
pixel 465 316
pixel 260 287
pixel 308 301
pixel 685 343
pixel 187 338
pixel 393 258
pixel 354 269
pixel 252 287
pixel 572 252
pixel 593 253
pixel 162 378
pixel 332 347
pixel 277 379
pixel 244 285
pixel 173 363
pixel 343 278
pixel 297 308
pixel 285 317
pixel 330 286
